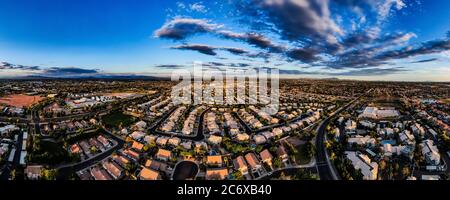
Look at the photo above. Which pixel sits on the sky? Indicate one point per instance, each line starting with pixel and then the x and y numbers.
pixel 400 40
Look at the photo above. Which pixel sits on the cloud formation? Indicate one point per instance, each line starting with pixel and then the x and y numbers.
pixel 6 66
pixel 48 72
pixel 357 72
pixel 425 60
pixel 204 49
pixel 340 34
pixel 182 28
pixel 179 29
pixel 297 20
pixel 212 50
pixel 69 71
pixel 169 66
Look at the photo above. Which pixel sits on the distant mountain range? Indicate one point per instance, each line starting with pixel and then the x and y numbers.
pixel 97 76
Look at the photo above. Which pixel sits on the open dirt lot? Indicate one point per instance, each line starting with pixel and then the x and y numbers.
pixel 19 100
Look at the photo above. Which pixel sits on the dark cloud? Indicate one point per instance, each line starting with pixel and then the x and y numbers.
pixel 371 72
pixel 182 28
pixel 6 65
pixel 216 64
pixel 430 47
pixel 372 38
pixel 255 39
pixel 169 66
pixel 311 34
pixel 425 60
pixel 240 65
pixel 304 55
pixel 378 55
pixel 358 72
pixel 296 72
pixel 69 71
pixel 294 20
pixel 204 49
pixel 212 51
pixel 309 26
pixel 220 64
pixel 49 71
pixel 235 51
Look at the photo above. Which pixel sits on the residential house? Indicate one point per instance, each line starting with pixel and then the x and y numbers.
pixel 163 154
pixel 215 140
pixel 216 174
pixel 240 165
pixel 113 169
pixel 361 161
pixel 121 160
pixel 431 152
pixel 100 174
pixel 33 172
pixel 362 141
pixel 137 146
pixel 253 162
pixel 214 160
pixel 266 157
pixel 131 154
pixel 149 174
pixel 282 154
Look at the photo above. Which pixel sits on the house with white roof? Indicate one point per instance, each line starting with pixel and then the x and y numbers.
pixel 361 161
pixel 8 129
pixel 431 152
pixel 259 139
pixel 407 138
pixel 362 140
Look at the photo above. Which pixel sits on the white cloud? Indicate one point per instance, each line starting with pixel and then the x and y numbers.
pixel 199 7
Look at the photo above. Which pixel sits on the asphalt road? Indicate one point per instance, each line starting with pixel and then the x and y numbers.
pixel 323 163
pixel 325 168
pixel 199 132
pixel 65 171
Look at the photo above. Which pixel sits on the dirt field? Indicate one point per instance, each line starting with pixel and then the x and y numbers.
pixel 19 100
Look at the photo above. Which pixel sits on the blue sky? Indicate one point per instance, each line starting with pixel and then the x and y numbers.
pixel 356 39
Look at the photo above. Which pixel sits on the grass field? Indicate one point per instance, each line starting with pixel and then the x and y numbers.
pixel 49 153
pixel 20 100
pixel 302 157
pixel 117 118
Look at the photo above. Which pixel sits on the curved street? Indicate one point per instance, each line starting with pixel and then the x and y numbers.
pixel 324 166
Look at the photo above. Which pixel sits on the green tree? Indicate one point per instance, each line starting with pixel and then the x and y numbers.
pixel 276 163
pixel 237 175
pixel 48 174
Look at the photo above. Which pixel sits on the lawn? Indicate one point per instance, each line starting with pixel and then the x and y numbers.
pixel 47 152
pixel 116 119
pixel 387 102
pixel 302 157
